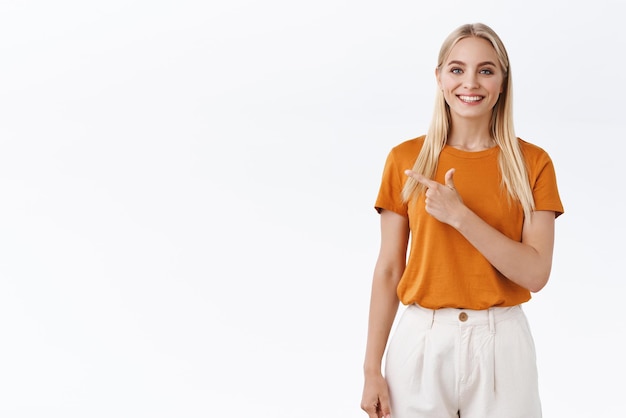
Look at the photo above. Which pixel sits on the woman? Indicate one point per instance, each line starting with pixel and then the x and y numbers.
pixel 475 206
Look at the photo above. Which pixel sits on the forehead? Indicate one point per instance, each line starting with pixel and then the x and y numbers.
pixel 473 50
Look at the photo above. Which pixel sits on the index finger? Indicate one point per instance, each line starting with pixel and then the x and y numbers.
pixel 420 178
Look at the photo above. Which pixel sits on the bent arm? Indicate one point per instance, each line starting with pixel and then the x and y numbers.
pixel 527 263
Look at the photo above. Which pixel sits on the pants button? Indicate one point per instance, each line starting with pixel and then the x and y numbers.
pixel 462 317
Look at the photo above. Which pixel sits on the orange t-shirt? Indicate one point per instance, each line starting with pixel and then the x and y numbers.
pixel 443 269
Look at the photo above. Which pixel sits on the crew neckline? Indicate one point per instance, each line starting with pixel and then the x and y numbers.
pixel 470 154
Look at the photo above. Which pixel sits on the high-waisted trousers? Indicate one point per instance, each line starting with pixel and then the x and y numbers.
pixel 450 363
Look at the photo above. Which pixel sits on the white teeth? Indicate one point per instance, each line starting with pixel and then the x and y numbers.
pixel 470 98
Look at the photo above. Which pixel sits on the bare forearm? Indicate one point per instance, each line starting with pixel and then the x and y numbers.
pixel 520 262
pixel 383 308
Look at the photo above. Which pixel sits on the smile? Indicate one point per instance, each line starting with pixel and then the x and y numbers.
pixel 471 99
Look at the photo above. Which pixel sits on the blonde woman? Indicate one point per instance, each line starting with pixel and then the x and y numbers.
pixel 474 208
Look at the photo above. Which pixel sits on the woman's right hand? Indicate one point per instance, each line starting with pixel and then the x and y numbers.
pixel 375 399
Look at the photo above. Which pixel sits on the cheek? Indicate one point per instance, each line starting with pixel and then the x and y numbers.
pixel 447 84
pixel 496 86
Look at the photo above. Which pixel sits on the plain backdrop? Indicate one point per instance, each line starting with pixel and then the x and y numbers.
pixel 186 197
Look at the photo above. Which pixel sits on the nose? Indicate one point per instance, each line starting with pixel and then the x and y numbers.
pixel 470 80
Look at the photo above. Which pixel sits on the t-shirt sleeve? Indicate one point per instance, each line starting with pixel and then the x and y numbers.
pixel 544 185
pixel 390 192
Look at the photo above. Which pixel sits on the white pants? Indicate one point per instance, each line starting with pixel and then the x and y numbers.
pixel 462 363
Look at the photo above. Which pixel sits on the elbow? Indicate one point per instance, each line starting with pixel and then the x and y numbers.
pixel 538 282
pixel 389 275
pixel 533 281
pixel 536 287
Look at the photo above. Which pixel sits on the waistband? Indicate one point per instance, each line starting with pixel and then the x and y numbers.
pixel 468 317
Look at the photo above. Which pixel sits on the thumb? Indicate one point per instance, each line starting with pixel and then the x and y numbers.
pixel 449 179
pixel 384 405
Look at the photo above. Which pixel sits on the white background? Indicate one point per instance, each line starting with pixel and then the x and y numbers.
pixel 186 197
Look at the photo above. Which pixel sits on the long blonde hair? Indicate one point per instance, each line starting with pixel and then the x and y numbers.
pixel 511 161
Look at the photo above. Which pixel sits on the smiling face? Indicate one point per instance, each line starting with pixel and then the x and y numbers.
pixel 471 79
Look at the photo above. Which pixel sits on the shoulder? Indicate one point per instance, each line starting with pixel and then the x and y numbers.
pixel 408 149
pixel 538 162
pixel 532 152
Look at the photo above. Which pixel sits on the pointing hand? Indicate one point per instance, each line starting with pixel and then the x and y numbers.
pixel 443 201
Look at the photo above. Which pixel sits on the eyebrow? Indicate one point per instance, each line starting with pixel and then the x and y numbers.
pixel 480 64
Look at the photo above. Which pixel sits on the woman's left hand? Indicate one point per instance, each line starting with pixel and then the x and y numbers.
pixel 443 201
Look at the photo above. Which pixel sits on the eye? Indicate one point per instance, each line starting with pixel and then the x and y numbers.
pixel 486 71
pixel 456 70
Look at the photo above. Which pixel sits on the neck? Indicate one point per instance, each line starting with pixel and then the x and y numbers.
pixel 470 136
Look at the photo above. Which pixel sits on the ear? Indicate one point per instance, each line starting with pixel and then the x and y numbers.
pixel 438 77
